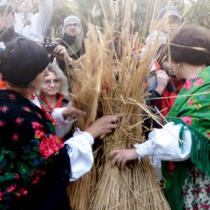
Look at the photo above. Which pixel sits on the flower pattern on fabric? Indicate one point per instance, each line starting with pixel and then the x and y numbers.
pixel 19 121
pixel 198 82
pixel 2 123
pixel 15 137
pixel 4 109
pixel 187 85
pixel 196 189
pixel 192 106
pixel 32 146
pixel 188 120
pixel 26 109
pixel 12 97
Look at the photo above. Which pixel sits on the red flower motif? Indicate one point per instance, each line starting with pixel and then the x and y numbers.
pixel 17 176
pixel 23 191
pixel 191 102
pixel 204 206
pixel 1 196
pixel 36 180
pixel 36 125
pixel 19 120
pixel 49 146
pixel 26 109
pixel 45 149
pixel 4 109
pixel 39 134
pixel 187 85
pixel 187 120
pixel 17 195
pixel 11 188
pixel 12 97
pixel 2 123
pixel 15 137
pixel 195 76
pixel 198 82
pixel 172 166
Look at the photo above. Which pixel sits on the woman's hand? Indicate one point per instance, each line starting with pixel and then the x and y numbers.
pixel 103 125
pixel 122 156
pixel 70 110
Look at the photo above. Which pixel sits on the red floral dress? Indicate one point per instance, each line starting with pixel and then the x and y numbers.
pixel 34 164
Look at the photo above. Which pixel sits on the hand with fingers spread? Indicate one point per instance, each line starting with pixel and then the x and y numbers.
pixel 122 156
pixel 71 110
pixel 103 125
pixel 162 80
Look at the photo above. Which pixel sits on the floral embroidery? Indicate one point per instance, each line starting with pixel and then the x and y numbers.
pixel 12 97
pixel 187 85
pixel 11 188
pixel 198 106
pixel 207 134
pixel 195 76
pixel 2 123
pixel 49 146
pixel 191 102
pixel 198 82
pixel 36 125
pixel 4 109
pixel 19 121
pixel 26 109
pixel 39 134
pixel 15 137
pixel 202 97
pixel 187 120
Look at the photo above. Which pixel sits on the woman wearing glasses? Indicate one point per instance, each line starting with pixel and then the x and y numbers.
pixel 36 165
pixel 54 95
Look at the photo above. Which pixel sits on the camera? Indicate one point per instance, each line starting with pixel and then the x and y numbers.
pixel 49 45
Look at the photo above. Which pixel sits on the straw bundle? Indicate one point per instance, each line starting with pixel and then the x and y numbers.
pixel 96 90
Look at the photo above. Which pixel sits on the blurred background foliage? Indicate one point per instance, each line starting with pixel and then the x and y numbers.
pixel 92 11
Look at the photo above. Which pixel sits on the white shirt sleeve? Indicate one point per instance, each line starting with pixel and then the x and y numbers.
pixel 62 126
pixel 164 144
pixel 80 153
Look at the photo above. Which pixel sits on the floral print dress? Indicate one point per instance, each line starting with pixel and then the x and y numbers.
pixel 187 183
pixel 34 164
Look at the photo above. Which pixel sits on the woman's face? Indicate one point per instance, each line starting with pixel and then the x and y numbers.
pixel 51 84
pixel 36 84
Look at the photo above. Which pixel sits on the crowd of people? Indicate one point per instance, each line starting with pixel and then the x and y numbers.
pixel 39 151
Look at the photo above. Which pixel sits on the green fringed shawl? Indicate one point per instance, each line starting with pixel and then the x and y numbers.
pixel 192 110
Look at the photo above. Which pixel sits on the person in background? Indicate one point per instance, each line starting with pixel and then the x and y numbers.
pixel 54 91
pixel 183 144
pixel 168 23
pixel 73 37
pixel 54 94
pixel 7 31
pixel 35 164
pixel 29 22
pixel 163 83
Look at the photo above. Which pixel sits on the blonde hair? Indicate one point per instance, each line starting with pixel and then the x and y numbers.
pixel 64 81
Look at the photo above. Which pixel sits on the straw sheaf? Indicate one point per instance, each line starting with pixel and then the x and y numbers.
pixel 97 90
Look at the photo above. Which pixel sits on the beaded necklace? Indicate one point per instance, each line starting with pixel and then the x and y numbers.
pixel 48 115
